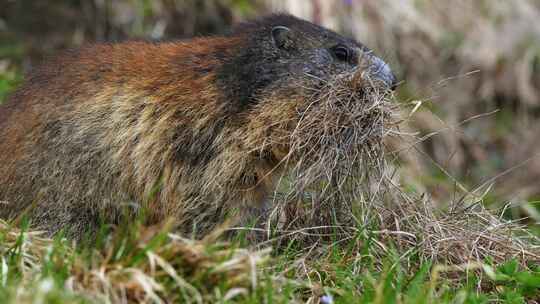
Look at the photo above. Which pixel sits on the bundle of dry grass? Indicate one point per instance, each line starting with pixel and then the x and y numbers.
pixel 340 185
pixel 338 138
pixel 332 149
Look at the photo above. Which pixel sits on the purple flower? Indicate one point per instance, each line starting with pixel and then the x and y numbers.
pixel 327 299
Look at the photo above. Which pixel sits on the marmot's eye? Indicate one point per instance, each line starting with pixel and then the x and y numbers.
pixel 342 52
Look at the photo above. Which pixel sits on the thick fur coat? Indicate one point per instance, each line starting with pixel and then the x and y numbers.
pixel 195 130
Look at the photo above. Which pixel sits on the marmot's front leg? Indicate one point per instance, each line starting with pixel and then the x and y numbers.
pixel 257 201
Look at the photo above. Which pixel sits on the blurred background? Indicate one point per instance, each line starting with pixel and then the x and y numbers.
pixel 470 70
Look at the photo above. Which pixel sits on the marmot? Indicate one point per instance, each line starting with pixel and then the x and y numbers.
pixel 193 129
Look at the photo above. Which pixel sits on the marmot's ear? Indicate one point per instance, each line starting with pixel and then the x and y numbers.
pixel 283 37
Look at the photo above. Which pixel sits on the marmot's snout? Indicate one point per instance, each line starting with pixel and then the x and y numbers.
pixel 381 71
pixel 378 70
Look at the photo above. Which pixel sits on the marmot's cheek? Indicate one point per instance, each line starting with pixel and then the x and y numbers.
pixel 318 64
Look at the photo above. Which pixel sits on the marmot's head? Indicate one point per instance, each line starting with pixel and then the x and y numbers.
pixel 281 49
pixel 309 96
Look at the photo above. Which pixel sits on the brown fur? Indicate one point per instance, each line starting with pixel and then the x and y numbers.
pixel 141 125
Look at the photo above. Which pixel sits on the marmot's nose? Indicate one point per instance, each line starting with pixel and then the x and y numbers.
pixel 381 71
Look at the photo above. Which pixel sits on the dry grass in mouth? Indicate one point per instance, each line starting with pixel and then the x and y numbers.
pixel 339 134
pixel 341 186
pixel 335 149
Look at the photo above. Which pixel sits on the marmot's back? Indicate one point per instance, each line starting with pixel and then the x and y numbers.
pixel 190 129
pixel 60 128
